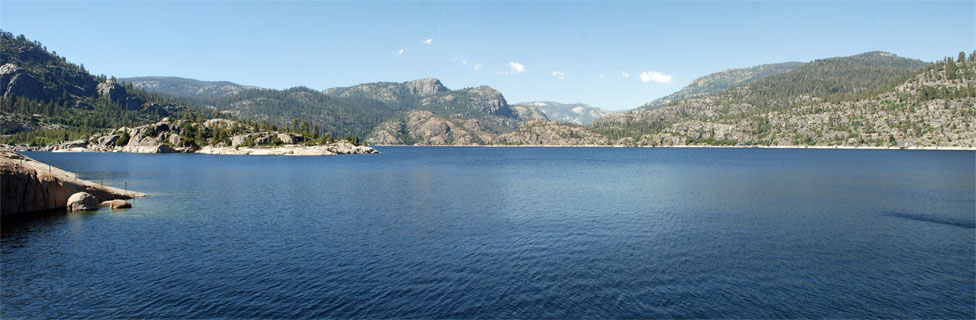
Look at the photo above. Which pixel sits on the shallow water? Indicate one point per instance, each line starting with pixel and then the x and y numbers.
pixel 431 232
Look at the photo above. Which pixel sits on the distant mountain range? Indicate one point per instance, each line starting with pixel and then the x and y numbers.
pixel 183 87
pixel 575 113
pixel 870 99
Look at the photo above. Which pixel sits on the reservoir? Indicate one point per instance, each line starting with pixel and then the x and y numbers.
pixel 458 232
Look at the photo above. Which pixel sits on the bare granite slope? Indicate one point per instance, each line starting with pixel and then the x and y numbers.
pixel 29 186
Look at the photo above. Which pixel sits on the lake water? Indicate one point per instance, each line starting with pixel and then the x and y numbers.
pixel 430 232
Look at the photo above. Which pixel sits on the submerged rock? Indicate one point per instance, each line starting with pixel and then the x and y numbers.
pixel 116 204
pixel 82 201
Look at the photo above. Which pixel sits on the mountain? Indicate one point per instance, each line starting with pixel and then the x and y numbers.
pixel 391 92
pixel 722 80
pixel 529 112
pixel 430 94
pixel 833 79
pixel 872 99
pixel 575 113
pixel 40 89
pixel 357 110
pixel 426 128
pixel 188 88
pixel 353 111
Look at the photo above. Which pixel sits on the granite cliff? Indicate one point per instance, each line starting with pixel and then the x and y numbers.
pixel 28 186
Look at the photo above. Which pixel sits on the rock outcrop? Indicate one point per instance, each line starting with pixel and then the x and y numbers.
pixel 17 82
pixel 27 186
pixel 425 128
pixel 491 101
pixel 12 123
pixel 82 201
pixel 116 204
pixel 167 136
pixel 529 113
pixel 116 93
pixel 425 87
pixel 339 147
pixel 549 133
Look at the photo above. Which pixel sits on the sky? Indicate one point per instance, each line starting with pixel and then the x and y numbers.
pixel 613 55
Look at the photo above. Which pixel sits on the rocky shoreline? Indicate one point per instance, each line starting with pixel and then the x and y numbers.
pixel 337 148
pixel 169 136
pixel 30 186
pixel 694 147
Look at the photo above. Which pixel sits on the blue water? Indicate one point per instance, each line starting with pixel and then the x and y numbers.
pixel 424 232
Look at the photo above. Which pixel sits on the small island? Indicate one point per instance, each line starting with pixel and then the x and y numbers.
pixel 195 134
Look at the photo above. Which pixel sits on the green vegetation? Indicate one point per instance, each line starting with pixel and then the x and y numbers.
pixel 831 80
pixel 52 93
pixel 62 101
pixel 722 80
pixel 352 111
pixel 872 99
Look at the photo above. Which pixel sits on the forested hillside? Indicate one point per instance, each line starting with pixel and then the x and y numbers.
pixel 354 110
pixel 200 92
pixel 828 80
pixel 722 80
pixel 358 110
pixel 41 90
pixel 871 99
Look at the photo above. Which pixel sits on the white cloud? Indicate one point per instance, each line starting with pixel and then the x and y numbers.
pixel 428 41
pixel 400 53
pixel 477 66
pixel 464 61
pixel 655 77
pixel 559 74
pixel 603 76
pixel 514 67
pixel 625 74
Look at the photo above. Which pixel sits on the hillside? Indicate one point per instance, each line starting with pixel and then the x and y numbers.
pixel 828 80
pixel 870 99
pixel 722 80
pixel 873 99
pixel 430 94
pixel 358 110
pixel 574 113
pixel 425 128
pixel 41 90
pixel 187 88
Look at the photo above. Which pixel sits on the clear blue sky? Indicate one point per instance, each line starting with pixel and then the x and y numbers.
pixel 567 52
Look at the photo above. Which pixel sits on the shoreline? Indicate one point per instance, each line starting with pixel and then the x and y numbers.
pixel 30 186
pixel 318 150
pixel 697 147
pixel 338 148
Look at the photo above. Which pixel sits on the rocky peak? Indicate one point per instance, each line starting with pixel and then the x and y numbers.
pixel 485 91
pixel 112 90
pixel 491 101
pixel 425 86
pixel 116 93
